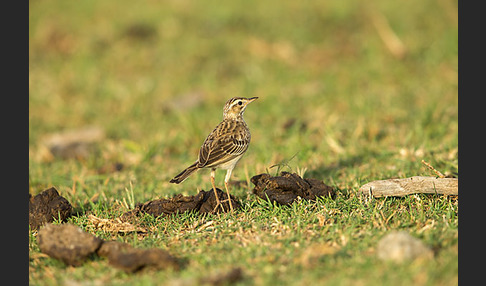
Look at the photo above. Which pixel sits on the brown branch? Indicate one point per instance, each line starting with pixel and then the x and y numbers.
pixel 412 185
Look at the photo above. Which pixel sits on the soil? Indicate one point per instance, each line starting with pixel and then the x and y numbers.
pixel 285 189
pixel 46 207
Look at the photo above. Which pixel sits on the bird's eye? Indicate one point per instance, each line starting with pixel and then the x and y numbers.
pixel 240 103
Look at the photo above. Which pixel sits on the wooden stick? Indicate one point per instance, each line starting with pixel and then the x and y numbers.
pixel 412 185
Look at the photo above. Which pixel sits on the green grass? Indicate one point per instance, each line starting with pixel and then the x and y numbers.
pixel 359 114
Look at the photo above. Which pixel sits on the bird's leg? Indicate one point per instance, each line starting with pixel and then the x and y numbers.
pixel 218 203
pixel 226 180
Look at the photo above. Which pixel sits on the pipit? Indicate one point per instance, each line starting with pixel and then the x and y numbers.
pixel 224 146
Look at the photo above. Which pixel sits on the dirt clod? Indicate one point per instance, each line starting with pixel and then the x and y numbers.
pixel 287 187
pixel 47 206
pixel 72 245
pixel 74 144
pixel 209 202
pixel 67 242
pixel 110 247
pixel 203 202
pixel 227 278
pixel 134 259
pixel 123 256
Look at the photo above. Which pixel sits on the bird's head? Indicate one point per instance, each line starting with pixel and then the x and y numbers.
pixel 235 107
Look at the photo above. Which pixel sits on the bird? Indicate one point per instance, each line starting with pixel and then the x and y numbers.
pixel 224 146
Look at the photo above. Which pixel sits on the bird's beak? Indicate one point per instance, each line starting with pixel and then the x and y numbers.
pixel 252 99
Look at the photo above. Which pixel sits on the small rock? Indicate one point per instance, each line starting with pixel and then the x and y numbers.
pixel 67 242
pixel 399 246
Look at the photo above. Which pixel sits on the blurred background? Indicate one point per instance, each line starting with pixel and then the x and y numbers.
pixel 348 90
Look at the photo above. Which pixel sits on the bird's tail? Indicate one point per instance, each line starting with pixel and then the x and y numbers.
pixel 184 174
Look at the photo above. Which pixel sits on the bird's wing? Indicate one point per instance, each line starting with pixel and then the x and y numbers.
pixel 222 145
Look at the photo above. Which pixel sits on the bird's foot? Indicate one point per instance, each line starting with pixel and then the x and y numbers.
pixel 230 203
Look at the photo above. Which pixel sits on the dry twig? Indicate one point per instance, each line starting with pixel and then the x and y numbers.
pixel 387 35
pixel 439 174
pixel 412 185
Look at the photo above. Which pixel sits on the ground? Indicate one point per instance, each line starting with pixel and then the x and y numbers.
pixel 348 93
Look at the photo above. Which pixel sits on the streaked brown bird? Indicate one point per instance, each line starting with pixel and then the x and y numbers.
pixel 224 146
